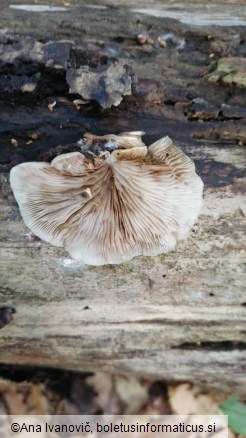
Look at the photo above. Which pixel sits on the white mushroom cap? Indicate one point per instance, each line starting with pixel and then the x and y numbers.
pixel 124 140
pixel 131 201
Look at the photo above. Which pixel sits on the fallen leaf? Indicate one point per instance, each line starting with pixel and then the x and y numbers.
pixel 106 399
pixel 132 392
pixel 236 412
pixel 188 400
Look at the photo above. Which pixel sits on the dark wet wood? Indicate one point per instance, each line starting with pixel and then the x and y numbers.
pixel 179 316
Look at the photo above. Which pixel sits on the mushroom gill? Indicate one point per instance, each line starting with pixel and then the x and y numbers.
pixel 114 200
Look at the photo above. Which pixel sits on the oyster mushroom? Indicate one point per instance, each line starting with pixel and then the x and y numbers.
pixel 114 200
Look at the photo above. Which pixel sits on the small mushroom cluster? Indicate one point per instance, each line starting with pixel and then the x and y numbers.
pixel 114 200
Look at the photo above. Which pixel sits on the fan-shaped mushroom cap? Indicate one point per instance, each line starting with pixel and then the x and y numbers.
pixel 125 201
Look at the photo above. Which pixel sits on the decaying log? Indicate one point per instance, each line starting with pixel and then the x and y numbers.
pixel 179 316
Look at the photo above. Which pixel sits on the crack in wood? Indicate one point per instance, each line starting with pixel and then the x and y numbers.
pixel 212 346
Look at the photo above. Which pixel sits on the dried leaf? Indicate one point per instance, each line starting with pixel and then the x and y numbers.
pixel 106 399
pixel 187 400
pixel 23 398
pixel 132 392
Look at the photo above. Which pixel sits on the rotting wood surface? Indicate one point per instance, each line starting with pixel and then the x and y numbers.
pixel 179 316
